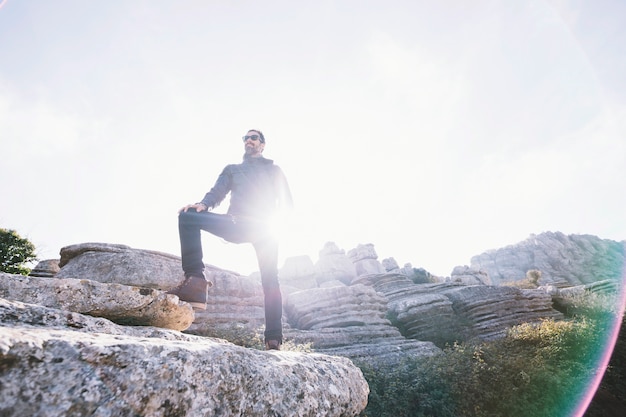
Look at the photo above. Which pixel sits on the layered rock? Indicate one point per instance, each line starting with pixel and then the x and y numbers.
pixel 298 273
pixel 564 260
pixel 345 305
pixel 490 310
pixel 365 260
pixel 119 303
pixel 417 275
pixel 349 321
pixel 417 309
pixel 470 276
pixel 45 269
pixel 120 264
pixel 234 307
pixel 334 265
pixel 107 370
pixel 235 302
pixel 444 312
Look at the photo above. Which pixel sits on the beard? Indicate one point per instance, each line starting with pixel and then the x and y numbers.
pixel 252 150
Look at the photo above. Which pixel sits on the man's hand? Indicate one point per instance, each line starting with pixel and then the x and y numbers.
pixel 197 206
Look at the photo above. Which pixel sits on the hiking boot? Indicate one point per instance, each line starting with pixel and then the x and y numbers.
pixel 272 345
pixel 193 290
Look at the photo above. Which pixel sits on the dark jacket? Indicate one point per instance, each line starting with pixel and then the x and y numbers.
pixel 257 189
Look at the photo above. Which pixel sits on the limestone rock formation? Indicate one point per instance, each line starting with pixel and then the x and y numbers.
pixel 119 303
pixel 298 273
pixel 120 264
pixel 46 268
pixel 59 363
pixel 350 321
pixel 365 260
pixel 470 276
pixel 336 307
pixel 235 301
pixel 390 265
pixel 334 265
pixel 235 306
pixel 491 310
pixel 564 260
pixel 350 306
pixel 442 312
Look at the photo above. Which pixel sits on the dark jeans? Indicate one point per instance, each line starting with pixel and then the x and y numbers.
pixel 190 223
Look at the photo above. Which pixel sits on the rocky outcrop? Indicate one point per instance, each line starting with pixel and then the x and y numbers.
pixel 235 305
pixel 334 265
pixel 417 275
pixel 348 306
pixel 564 260
pixel 56 363
pixel 365 260
pixel 235 302
pixel 327 298
pixel 350 321
pixel 336 307
pixel 46 268
pixel 491 310
pixel 298 273
pixel 120 264
pixel 444 312
pixel 470 276
pixel 122 304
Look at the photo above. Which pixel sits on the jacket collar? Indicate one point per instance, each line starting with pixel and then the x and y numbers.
pixel 256 160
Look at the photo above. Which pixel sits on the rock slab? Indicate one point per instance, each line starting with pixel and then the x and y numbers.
pixel 60 363
pixel 122 304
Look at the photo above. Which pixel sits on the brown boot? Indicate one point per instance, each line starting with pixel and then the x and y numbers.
pixel 272 345
pixel 193 290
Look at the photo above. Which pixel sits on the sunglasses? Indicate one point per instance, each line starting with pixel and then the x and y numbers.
pixel 253 137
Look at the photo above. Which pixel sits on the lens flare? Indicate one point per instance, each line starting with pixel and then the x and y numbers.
pixel 604 351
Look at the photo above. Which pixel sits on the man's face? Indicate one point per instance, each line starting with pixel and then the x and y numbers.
pixel 253 145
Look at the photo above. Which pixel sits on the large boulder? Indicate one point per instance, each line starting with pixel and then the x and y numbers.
pixel 120 264
pixel 61 363
pixel 119 303
pixel 235 304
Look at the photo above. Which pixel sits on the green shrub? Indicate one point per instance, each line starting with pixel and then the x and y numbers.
pixel 589 304
pixel 535 371
pixel 533 276
pixel 422 276
pixel 16 253
pixel 406 390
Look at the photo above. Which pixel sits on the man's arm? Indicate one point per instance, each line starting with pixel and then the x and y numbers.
pixel 216 195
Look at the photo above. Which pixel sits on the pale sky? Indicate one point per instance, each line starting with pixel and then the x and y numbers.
pixel 434 130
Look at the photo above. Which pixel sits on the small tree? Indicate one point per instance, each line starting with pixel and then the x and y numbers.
pixel 15 252
pixel 533 276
